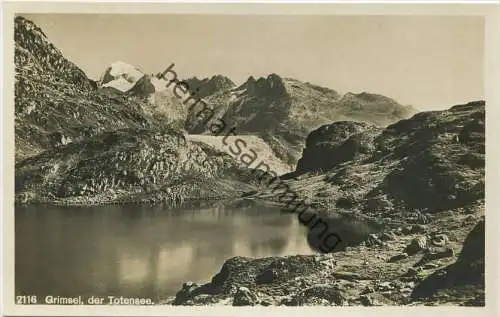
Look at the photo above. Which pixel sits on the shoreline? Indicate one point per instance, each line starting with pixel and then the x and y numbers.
pixel 114 202
pixel 377 271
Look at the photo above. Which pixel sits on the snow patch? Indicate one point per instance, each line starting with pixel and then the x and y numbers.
pixel 264 152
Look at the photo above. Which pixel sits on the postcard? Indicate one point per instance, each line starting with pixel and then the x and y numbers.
pixel 241 159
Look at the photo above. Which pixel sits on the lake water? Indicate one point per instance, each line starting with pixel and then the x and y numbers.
pixel 149 251
pixel 141 250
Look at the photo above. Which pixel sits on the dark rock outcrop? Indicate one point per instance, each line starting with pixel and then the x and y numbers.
pixel 467 271
pixel 336 143
pixel 469 267
pixel 442 157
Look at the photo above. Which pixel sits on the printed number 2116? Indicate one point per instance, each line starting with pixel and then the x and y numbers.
pixel 23 300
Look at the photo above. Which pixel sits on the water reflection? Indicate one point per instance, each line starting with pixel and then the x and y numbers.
pixel 141 250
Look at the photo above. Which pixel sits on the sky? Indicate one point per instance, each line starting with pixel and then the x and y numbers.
pixel 430 62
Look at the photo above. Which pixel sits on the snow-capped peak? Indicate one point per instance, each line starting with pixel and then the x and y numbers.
pixel 121 76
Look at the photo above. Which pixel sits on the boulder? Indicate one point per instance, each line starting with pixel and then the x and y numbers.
pixel 439 240
pixel 335 143
pixel 328 292
pixel 267 276
pixel 244 297
pixel 185 293
pixel 416 245
pixel 468 270
pixel 398 257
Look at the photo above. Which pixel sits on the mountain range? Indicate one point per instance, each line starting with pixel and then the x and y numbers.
pixel 282 111
pixel 58 107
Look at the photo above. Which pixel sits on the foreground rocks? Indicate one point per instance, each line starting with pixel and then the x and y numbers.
pixel 358 276
pixel 463 278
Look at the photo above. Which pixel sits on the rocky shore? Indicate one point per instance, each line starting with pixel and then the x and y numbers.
pixel 420 264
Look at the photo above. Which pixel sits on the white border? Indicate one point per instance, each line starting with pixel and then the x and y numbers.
pixel 492 71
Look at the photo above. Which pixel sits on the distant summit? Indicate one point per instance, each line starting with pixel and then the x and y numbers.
pixel 209 86
pixel 273 84
pixel 121 76
pixel 126 79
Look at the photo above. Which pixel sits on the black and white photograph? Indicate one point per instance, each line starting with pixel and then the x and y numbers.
pixel 248 160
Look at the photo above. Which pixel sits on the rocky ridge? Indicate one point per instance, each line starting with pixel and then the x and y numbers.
pixel 284 110
pixel 208 86
pixel 129 166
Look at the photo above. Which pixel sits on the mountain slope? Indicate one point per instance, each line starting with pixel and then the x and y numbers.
pixel 129 166
pixel 35 55
pixel 253 142
pixel 155 94
pixel 283 111
pixel 55 102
